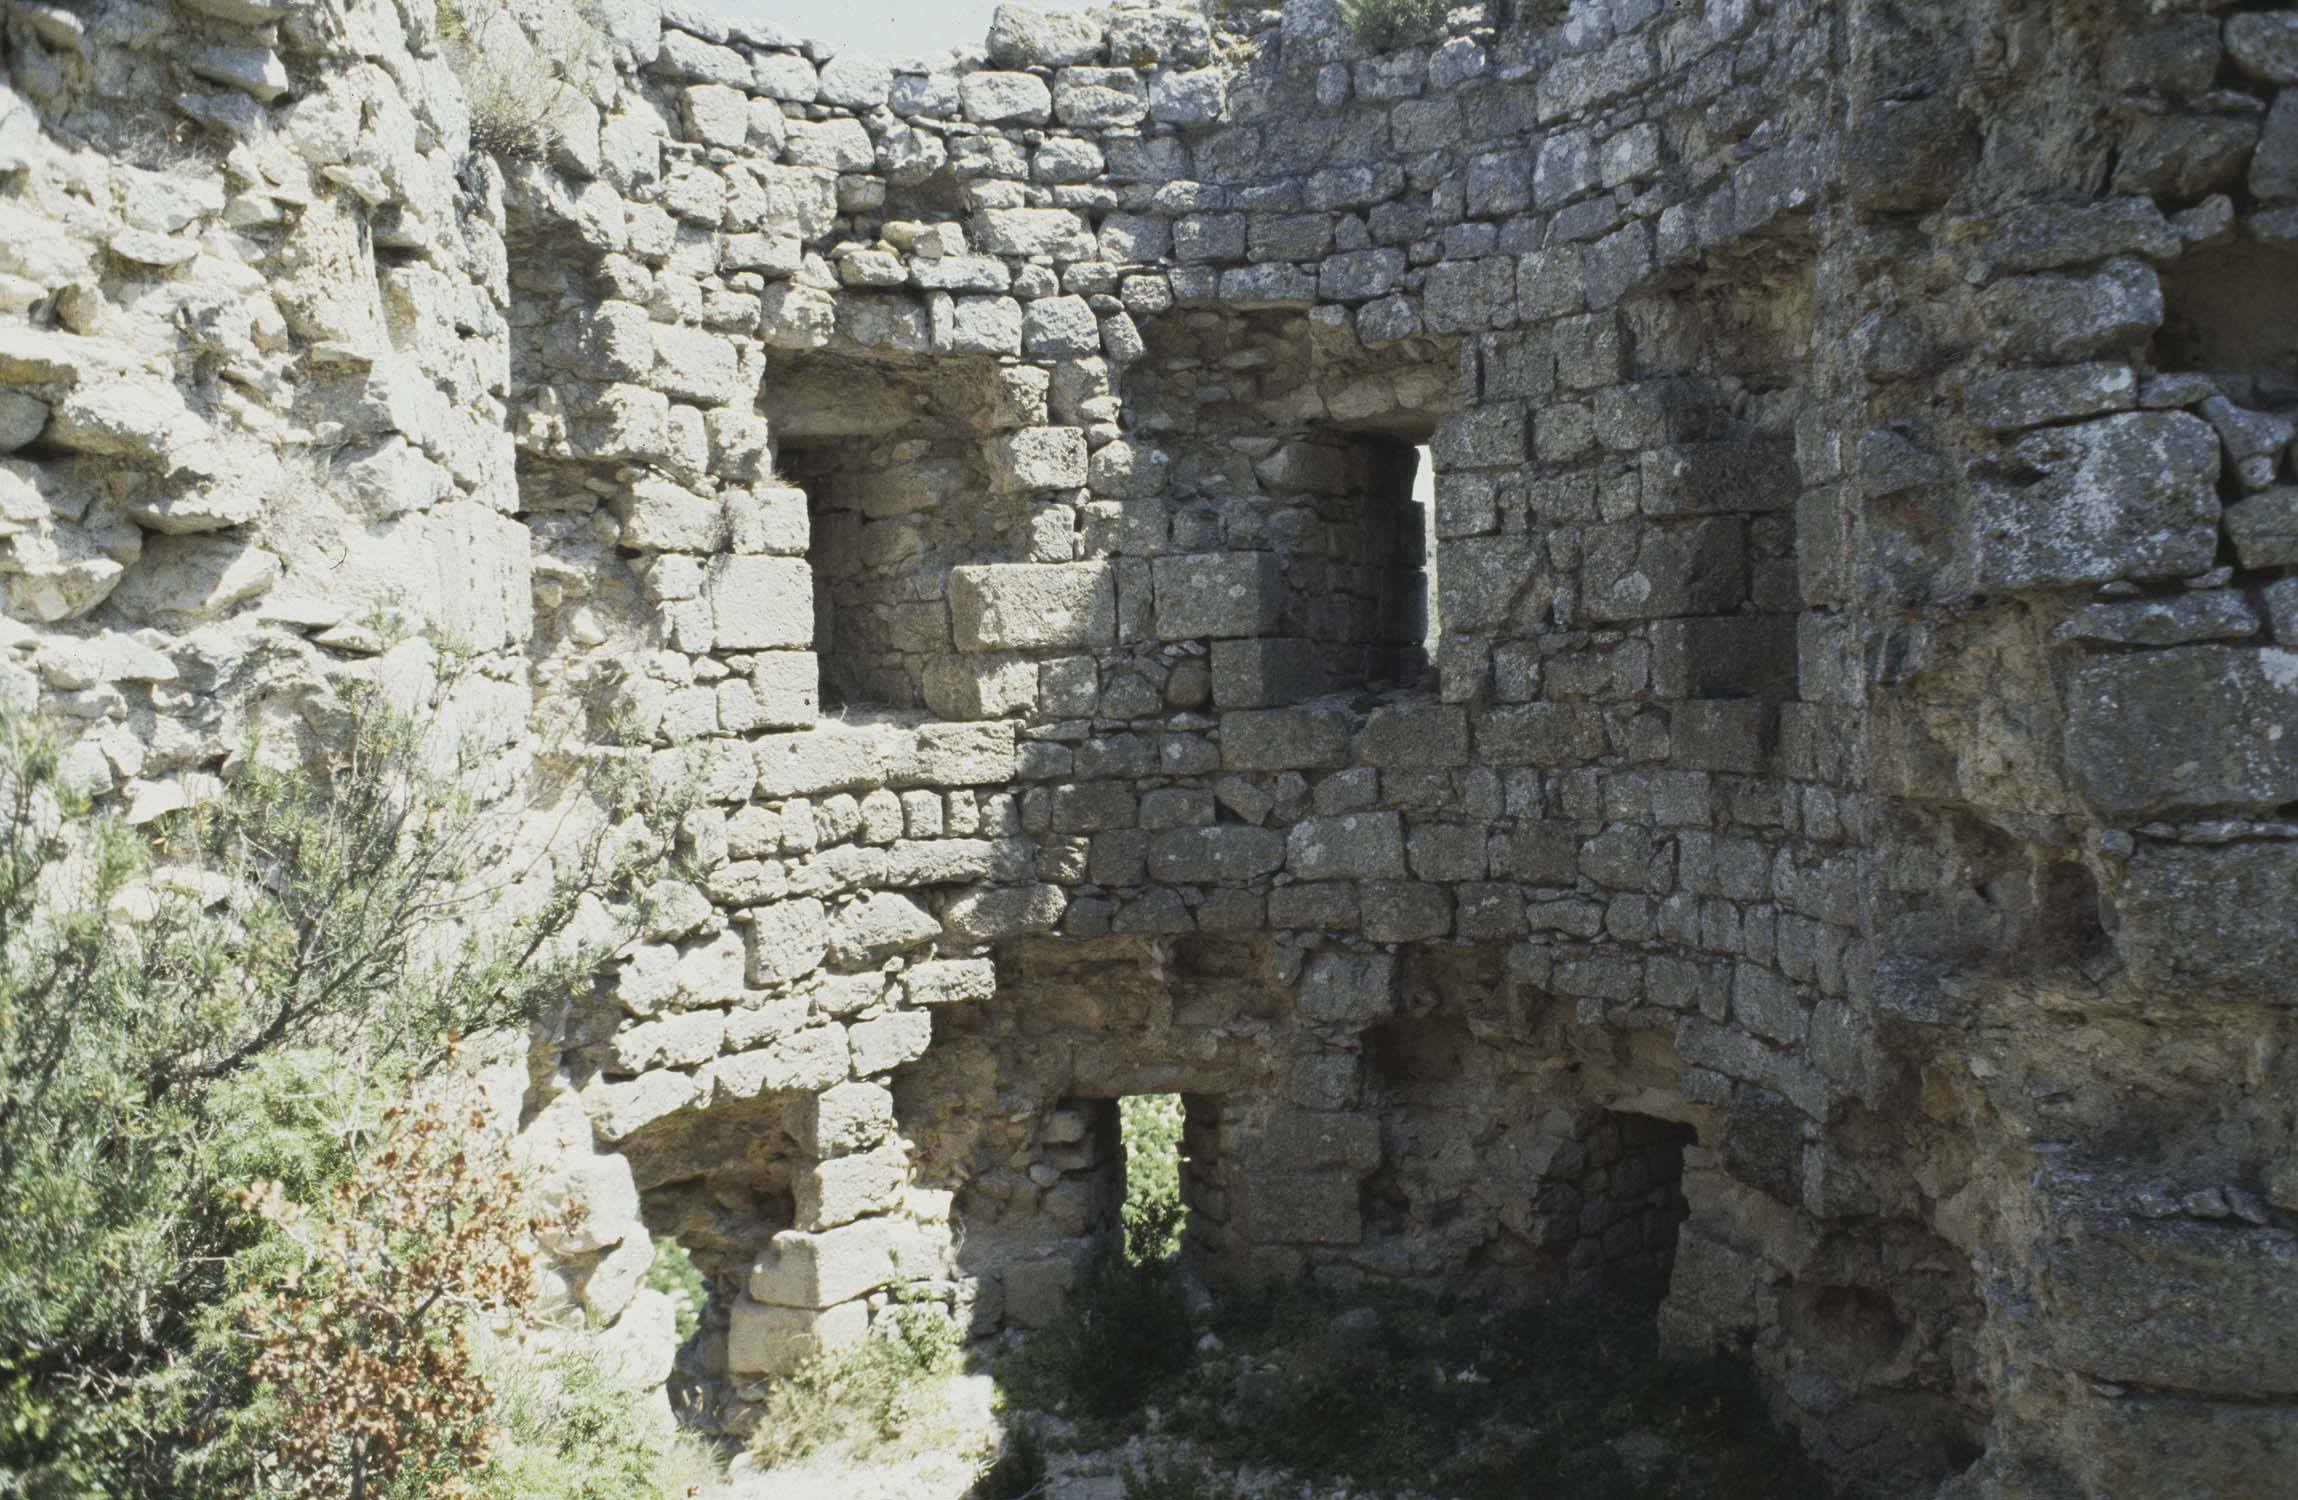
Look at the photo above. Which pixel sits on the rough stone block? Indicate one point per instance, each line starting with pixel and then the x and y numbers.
pixel 1300 1208
pixel 2220 921
pixel 844 1119
pixel 767 1340
pixel 2129 496
pixel 886 1043
pixel 2178 1304
pixel 1217 594
pixel 878 926
pixel 1024 606
pixel 1353 846
pixel 801 1063
pixel 1223 853
pixel 1265 673
pixel 829 758
pixel 787 941
pixel 2192 728
pixel 761 603
pixel 801 1269
pixel 1352 989
pixel 1285 739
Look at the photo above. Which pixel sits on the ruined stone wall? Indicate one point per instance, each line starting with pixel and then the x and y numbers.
pixel 1815 833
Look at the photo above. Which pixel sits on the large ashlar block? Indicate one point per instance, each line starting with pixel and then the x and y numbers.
pixel 802 1269
pixel 2193 728
pixel 766 1340
pixel 831 758
pixel 761 603
pixel 1218 595
pixel 2128 496
pixel 848 1188
pixel 2221 921
pixel 1026 606
pixel 1300 1208
pixel 1041 458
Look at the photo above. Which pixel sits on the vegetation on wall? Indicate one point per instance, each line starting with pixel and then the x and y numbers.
pixel 1383 24
pixel 519 82
pixel 215 1197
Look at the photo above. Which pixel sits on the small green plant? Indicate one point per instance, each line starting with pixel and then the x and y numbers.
pixel 1018 1473
pixel 674 1274
pixel 879 1391
pixel 568 1427
pixel 1127 1335
pixel 1384 24
pixel 518 83
pixel 1150 1126
pixel 1173 1476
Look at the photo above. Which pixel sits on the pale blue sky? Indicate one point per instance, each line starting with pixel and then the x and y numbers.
pixel 888 28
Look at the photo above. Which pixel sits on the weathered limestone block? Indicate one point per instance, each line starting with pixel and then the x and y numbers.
pixel 1024 36
pixel 1300 1208
pixel 2130 496
pixel 2264 528
pixel 878 926
pixel 1316 1142
pixel 2191 728
pixel 766 1340
pixel 1270 673
pixel 844 1119
pixel 787 941
pixel 852 1187
pixel 1023 606
pixel 827 758
pixel 950 755
pixel 889 1041
pixel 180 580
pixel 804 1062
pixel 1352 846
pixel 800 1269
pixel 621 1108
pixel 1286 739
pixel 2216 920
pixel 1225 853
pixel 990 915
pixel 1350 989
pixel 950 981
pixel 2180 1304
pixel 1042 458
pixel 1218 594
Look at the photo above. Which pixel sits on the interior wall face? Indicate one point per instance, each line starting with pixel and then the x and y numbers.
pixel 1840 857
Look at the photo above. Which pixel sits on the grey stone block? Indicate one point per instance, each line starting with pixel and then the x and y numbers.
pixel 1352 846
pixel 2217 921
pixel 2193 728
pixel 1222 853
pixel 1218 595
pixel 1022 606
pixel 2130 496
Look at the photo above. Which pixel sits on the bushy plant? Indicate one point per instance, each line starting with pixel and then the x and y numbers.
pixel 187 1008
pixel 518 82
pixel 1018 1472
pixel 1383 24
pixel 1173 1476
pixel 1150 1126
pixel 873 1392
pixel 1128 1333
pixel 366 1339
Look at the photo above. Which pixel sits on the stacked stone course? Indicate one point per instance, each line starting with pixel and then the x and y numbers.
pixel 1814 829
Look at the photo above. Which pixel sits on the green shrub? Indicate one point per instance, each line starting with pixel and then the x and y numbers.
pixel 1383 24
pixel 570 1428
pixel 875 1392
pixel 519 83
pixel 1128 1334
pixel 190 1007
pixel 674 1274
pixel 1150 1126
pixel 1171 1477
pixel 1018 1473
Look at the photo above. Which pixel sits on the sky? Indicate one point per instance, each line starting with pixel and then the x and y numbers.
pixel 892 28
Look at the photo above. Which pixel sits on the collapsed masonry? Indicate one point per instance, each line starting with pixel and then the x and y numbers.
pixel 1839 864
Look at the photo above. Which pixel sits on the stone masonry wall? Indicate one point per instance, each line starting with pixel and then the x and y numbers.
pixel 1848 812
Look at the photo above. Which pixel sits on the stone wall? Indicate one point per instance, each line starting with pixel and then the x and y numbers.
pixel 1853 763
